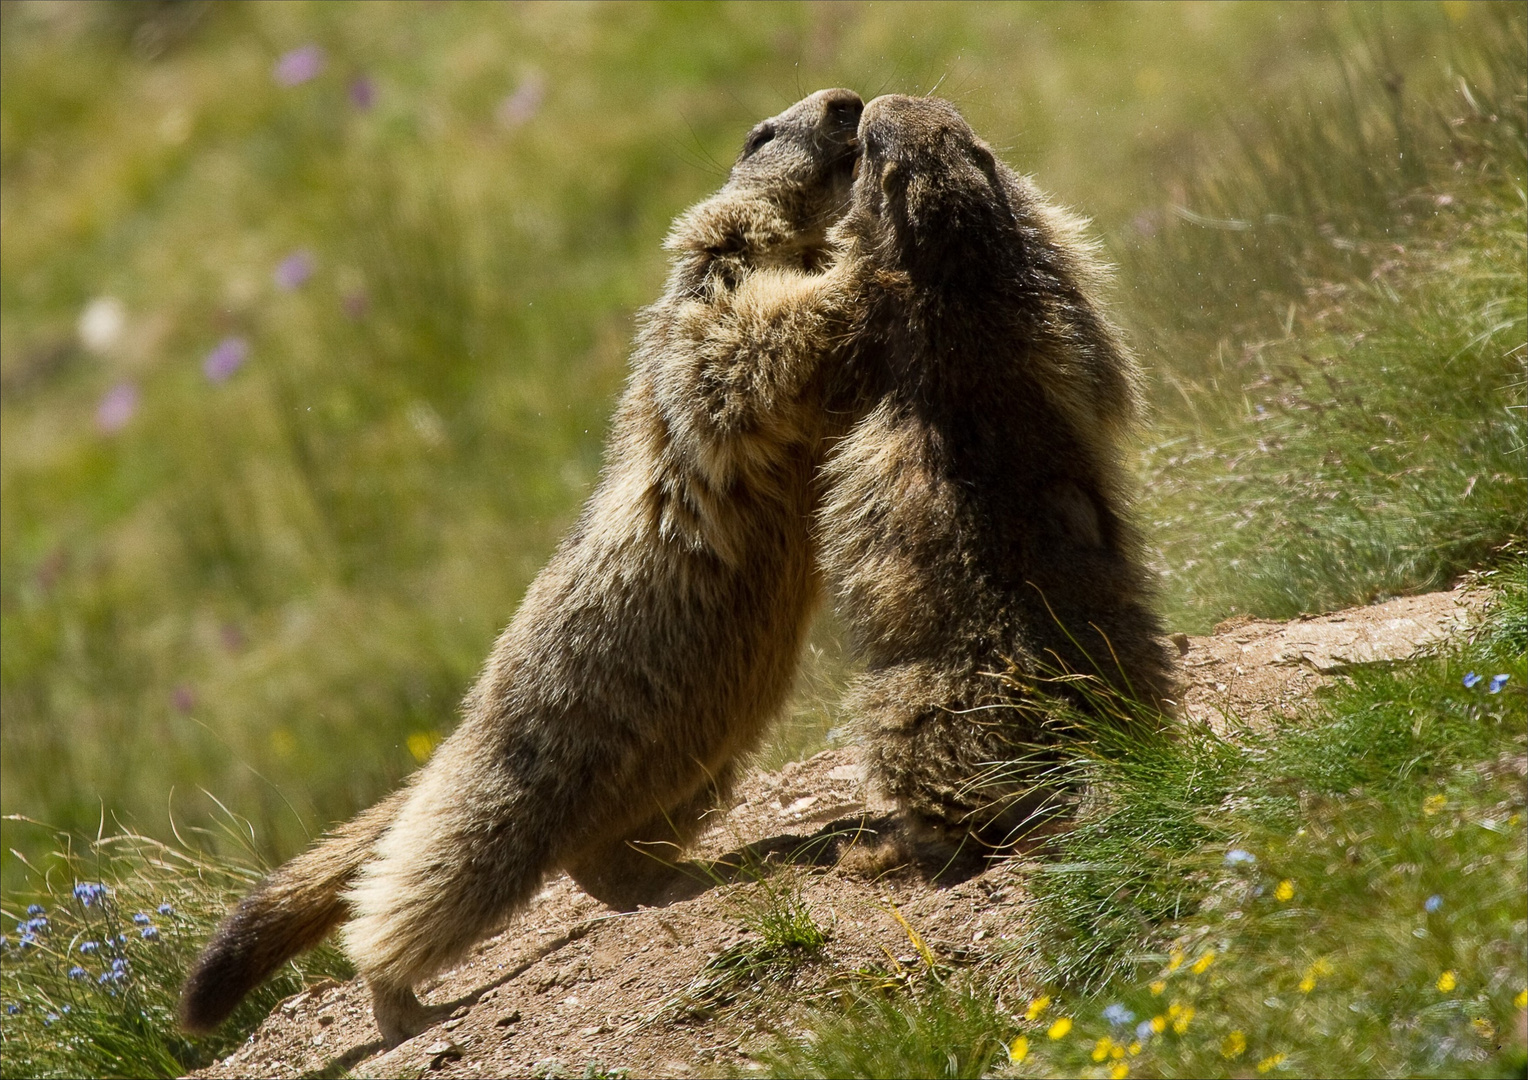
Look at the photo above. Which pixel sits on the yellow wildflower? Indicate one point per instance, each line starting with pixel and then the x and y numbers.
pixel 1202 963
pixel 1158 1024
pixel 1173 1010
pixel 1059 1029
pixel 1285 892
pixel 1175 960
pixel 1433 803
pixel 1116 1051
pixel 1234 1045
pixel 1102 1047
pixel 1269 1063
pixel 1446 982
pixel 1521 1001
pixel 1308 983
pixel 1321 967
pixel 1018 1050
pixel 1135 1048
pixel 1483 1028
pixel 1037 1006
pixel 1180 1025
pixel 1157 987
pixel 1120 1071
pixel 420 744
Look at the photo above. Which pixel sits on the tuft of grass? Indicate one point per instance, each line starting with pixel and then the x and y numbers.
pixel 96 952
pixel 939 1028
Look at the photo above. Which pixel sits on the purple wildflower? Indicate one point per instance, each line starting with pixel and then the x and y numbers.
pixel 1470 680
pixel 363 93
pixel 149 933
pixel 28 939
pixel 13 1008
pixel 1433 903
pixel 77 972
pixel 36 909
pixel 183 698
pixel 524 103
pixel 355 304
pixel 298 66
pixel 1497 682
pixel 141 919
pixel 88 892
pixel 88 947
pixel 294 270
pixel 225 359
pixel 117 408
pixel 166 910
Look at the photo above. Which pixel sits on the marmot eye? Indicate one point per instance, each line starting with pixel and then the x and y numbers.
pixel 757 138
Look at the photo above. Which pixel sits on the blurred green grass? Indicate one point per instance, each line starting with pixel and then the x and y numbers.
pixel 275 588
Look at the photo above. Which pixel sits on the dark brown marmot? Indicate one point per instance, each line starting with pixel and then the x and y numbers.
pixel 976 520
pixel 653 648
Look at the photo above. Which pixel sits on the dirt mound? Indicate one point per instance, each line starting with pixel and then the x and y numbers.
pixel 572 987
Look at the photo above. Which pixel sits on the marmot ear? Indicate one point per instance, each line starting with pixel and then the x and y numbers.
pixel 982 158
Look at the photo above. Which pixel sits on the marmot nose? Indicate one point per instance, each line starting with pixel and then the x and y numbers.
pixel 841 109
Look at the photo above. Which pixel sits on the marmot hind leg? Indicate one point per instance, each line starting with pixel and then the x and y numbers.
pixel 640 867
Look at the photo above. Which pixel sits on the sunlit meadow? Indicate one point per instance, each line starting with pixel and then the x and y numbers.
pixel 311 317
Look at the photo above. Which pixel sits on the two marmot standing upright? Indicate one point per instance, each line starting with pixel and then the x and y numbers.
pixel 971 518
pixel 652 649
pixel 974 523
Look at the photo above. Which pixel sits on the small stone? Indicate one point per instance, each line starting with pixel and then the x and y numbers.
pixel 452 1025
pixel 326 1019
pixel 1181 640
pixel 505 1021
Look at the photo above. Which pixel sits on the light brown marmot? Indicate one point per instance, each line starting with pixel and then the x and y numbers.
pixel 652 649
pixel 977 516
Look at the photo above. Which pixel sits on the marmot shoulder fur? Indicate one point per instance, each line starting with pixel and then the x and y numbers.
pixel 652 649
pixel 977 517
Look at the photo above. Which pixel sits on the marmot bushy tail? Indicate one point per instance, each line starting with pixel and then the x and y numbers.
pixel 662 636
pixel 976 520
pixel 289 912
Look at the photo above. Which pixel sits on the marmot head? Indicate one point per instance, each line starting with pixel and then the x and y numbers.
pixel 927 190
pixel 789 184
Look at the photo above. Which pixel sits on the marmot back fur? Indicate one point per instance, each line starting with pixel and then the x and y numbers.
pixel 976 518
pixel 652 649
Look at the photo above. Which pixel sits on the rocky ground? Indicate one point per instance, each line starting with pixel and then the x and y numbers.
pixel 574 989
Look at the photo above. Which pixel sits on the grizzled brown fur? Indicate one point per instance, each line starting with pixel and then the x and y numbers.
pixel 651 650
pixel 977 516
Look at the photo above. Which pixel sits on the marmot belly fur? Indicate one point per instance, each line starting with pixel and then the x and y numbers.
pixel 976 517
pixel 652 649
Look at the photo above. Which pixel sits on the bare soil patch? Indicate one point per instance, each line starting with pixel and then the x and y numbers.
pixel 669 991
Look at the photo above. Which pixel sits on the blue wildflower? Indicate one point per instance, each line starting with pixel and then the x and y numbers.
pixel 36 909
pixel 1238 857
pixel 1144 1031
pixel 166 910
pixel 119 967
pixel 88 947
pixel 50 1018
pixel 13 1008
pixel 149 933
pixel 77 972
pixel 1433 903
pixel 67 1009
pixel 1497 682
pixel 1118 1015
pixel 121 939
pixel 28 940
pixel 1470 680
pixel 88 892
pixel 140 918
